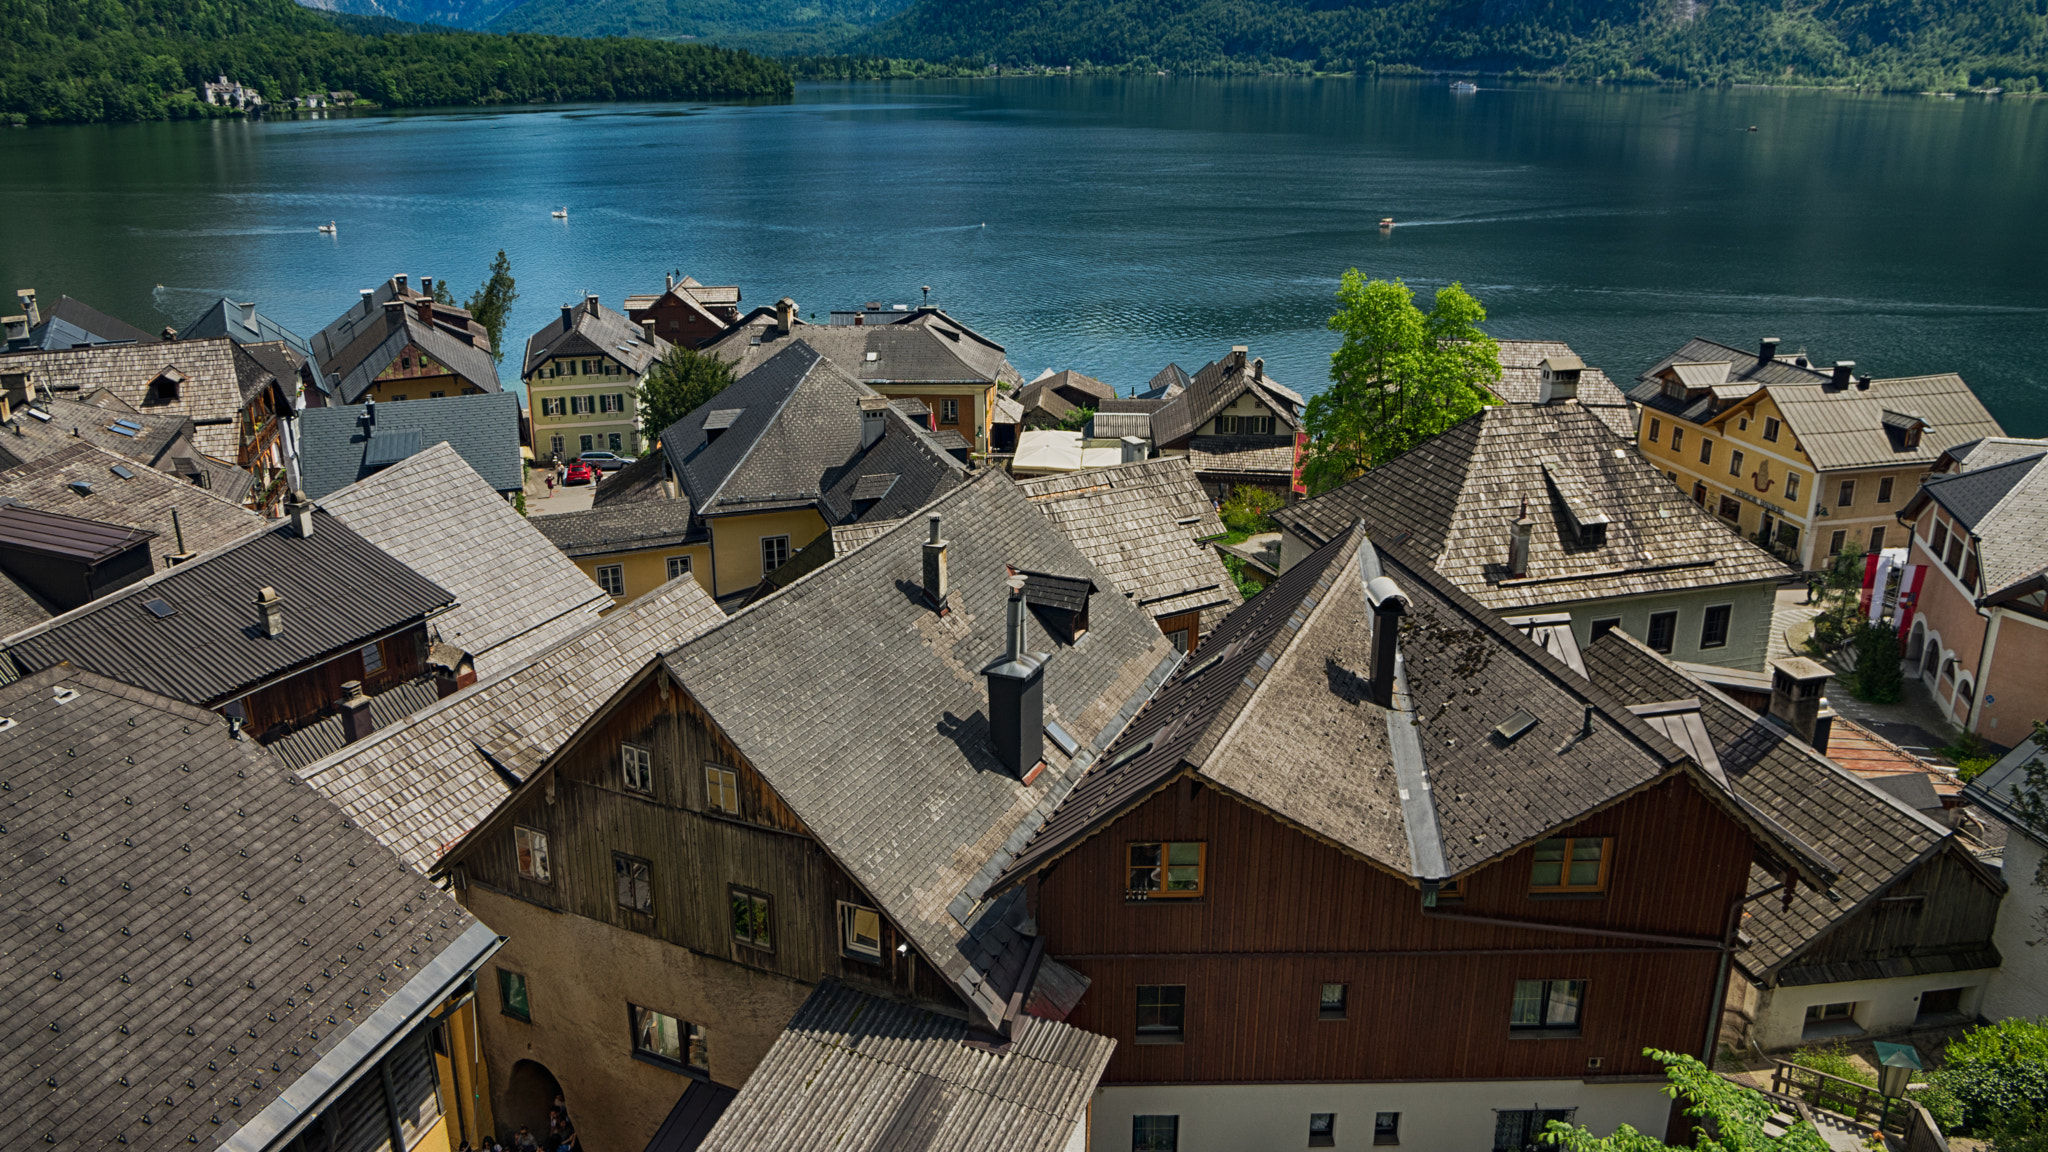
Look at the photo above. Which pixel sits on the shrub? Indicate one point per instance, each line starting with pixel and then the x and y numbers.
pixel 1998 1070
pixel 1877 677
pixel 1250 510
pixel 1835 1061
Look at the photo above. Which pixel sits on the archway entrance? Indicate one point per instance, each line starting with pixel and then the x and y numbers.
pixel 529 1094
pixel 1916 647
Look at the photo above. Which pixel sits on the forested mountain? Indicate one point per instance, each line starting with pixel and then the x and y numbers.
pixel 1892 43
pixel 664 18
pixel 89 60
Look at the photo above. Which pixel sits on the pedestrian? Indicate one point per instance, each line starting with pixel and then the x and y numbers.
pixel 551 485
pixel 524 1142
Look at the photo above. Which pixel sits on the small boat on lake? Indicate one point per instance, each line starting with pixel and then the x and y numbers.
pixel 560 213
pixel 1464 86
pixel 1386 223
pixel 328 228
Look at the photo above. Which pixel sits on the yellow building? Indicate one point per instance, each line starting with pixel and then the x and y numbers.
pixel 1807 463
pixel 582 374
pixel 401 344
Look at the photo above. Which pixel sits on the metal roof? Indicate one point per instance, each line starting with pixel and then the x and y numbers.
pixel 390 447
pixel 336 448
pixel 69 537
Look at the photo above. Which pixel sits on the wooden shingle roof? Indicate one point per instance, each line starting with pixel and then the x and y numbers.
pixel 1143 525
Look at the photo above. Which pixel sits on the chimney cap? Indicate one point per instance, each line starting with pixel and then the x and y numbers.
pixel 1801 668
pixel 1385 595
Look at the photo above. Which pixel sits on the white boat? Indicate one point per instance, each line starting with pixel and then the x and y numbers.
pixel 1464 86
pixel 1386 223
pixel 328 228
pixel 560 213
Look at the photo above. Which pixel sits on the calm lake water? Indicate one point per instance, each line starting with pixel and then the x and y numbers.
pixel 1114 225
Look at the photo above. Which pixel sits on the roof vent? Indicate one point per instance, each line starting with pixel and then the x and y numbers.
pixel 874 419
pixel 272 606
pixel 1389 604
pixel 715 423
pixel 83 488
pixel 936 587
pixel 1016 696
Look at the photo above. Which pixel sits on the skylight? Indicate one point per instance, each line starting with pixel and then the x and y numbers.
pixel 1515 726
pixel 159 607
pixel 122 471
pixel 125 427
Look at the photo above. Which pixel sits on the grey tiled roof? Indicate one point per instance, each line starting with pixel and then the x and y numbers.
pixel 1743 365
pixel 643 479
pixel 621 528
pixel 326 736
pixel 339 590
pixel 1142 526
pixel 2000 790
pixel 1970 496
pixel 420 786
pixel 917 350
pixel 20 607
pixel 893 773
pixel 1214 388
pixel 516 594
pixel 1455 497
pixel 1844 427
pixel 1169 382
pixel 244 325
pixel 2012 531
pixel 1972 454
pixel 174 881
pixel 858 1071
pixel 353 370
pixel 594 332
pixel 220 378
pixel 483 429
pixel 918 463
pixel 145 499
pixel 71 420
pixel 73 322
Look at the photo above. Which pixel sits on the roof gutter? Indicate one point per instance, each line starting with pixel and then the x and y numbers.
pixel 365 1048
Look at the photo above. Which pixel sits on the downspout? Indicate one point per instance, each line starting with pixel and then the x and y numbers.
pixel 1983 653
pixel 1720 1004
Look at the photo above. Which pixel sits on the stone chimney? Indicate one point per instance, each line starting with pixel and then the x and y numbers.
pixel 874 420
pixel 1259 368
pixel 1135 450
pixel 1796 684
pixel 937 587
pixel 356 721
pixel 1843 370
pixel 1389 604
pixel 301 511
pixel 1767 350
pixel 398 281
pixel 647 331
pixel 26 298
pixel 426 309
pixel 1518 544
pixel 394 313
pixel 785 315
pixel 1238 352
pixel 272 606
pixel 1016 696
pixel 17 332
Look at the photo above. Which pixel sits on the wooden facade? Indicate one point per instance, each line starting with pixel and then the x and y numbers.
pixel 1948 905
pixel 275 709
pixel 1283 913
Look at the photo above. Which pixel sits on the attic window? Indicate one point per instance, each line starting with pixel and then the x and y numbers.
pixel 164 389
pixel 83 488
pixel 1514 727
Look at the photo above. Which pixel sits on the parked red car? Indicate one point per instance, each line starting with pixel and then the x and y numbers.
pixel 580 473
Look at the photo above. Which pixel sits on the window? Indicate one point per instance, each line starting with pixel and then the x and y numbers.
pixel 1656 429
pixel 611 577
pixel 551 406
pixel 1515 1131
pixel 1244 425
pixel 678 567
pixel 635 880
pixel 399 396
pixel 433 395
pixel 618 401
pixel 1603 627
pixel 1663 631
pixel 1386 1128
pixel 637 768
pixel 860 932
pixel 1939 540
pixel 614 441
pixel 774 553
pixel 1332 1004
pixel 1884 490
pixel 1162 1009
pixel 1771 429
pixel 1791 485
pixel 575 405
pixel 1735 463
pixel 1155 1134
pixel 1179 636
pixel 1941 1002
pixel 949 411
pixel 512 996
pixel 405 361
pixel 721 789
pixel 587 369
pixel 373 658
pixel 1742 425
pixel 1714 628
pixel 555 445
pixel 750 925
pixel 1699 493
pixel 1165 869
pixel 1788 536
pixel 1549 1005
pixel 1322 1129
pixel 667 1040
pixel 1571 864
pixel 1677 439
pixel 584 443
pixel 1877 538
pixel 532 848
pixel 1730 509
pixel 1825 1013
pixel 1847 495
pixel 1836 541
pixel 1706 450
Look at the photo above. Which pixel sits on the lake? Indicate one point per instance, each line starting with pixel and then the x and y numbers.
pixel 1113 225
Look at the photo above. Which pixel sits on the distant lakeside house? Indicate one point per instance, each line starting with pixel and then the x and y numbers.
pixel 399 343
pixel 582 374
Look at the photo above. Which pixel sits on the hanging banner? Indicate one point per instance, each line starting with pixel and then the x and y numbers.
pixel 1909 596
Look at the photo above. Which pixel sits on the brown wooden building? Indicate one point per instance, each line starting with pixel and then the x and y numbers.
pixel 686 313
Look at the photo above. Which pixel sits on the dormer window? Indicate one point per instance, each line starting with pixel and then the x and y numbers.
pixel 1061 603
pixel 166 387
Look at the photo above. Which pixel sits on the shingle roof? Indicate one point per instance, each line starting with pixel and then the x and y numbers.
pixel 1072 384
pixel 421 786
pixel 643 479
pixel 594 330
pixel 1870 837
pixel 244 325
pixel 1742 364
pixel 1142 526
pixel 1167 383
pixel 449 341
pixel 328 735
pixel 20 607
pixel 1845 428
pixel 219 379
pixel 71 323
pixel 934 349
pixel 516 594
pixel 1455 497
pixel 893 773
pixel 336 348
pixel 340 591
pixel 175 881
pixel 1521 382
pixel 917 463
pixel 1974 454
pixel 621 528
pixel 1270 456
pixel 1214 388
pixel 1117 425
pixel 145 499
pixel 483 429
pixel 858 1071
pixel 144 437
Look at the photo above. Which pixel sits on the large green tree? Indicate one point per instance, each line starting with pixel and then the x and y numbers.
pixel 492 303
pixel 1401 376
pixel 679 383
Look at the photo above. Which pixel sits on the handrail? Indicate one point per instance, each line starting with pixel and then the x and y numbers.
pixel 1857 1102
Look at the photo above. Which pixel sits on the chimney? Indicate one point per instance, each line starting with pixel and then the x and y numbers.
pixel 168 335
pixel 399 282
pixel 394 314
pixel 874 420
pixel 1842 370
pixel 300 510
pixel 785 315
pixel 568 317
pixel 356 721
pixel 1559 380
pixel 426 308
pixel 590 303
pixel 1823 728
pixel 1016 697
pixel 453 669
pixel 17 332
pixel 1518 544
pixel 936 586
pixel 647 331
pixel 272 607
pixel 1259 368
pixel 1767 350
pixel 26 297
pixel 671 282
pixel 1135 450
pixel 1237 354
pixel 1863 383
pixel 369 296
pixel 1796 684
pixel 426 285
pixel 1389 604
pixel 370 414
pixel 177 533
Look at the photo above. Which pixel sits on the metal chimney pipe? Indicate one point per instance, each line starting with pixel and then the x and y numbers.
pixel 1016 617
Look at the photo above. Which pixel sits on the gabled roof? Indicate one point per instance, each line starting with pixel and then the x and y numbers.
pixel 144 437
pixel 420 786
pixel 1117 425
pixel 644 479
pixel 1142 525
pixel 1845 427
pixel 1071 383
pixel 1973 454
pixel 331 343
pixel 925 347
pixel 217 379
pixel 61 537
pixel 454 342
pixel 858 1071
pixel 1521 381
pixel 629 527
pixel 243 324
pixel 1969 497
pixel 593 330
pixel 1455 497
pixel 336 445
pixel 2005 508
pixel 516 594
pixel 1267 456
pixel 893 772
pixel 1870 837
pixel 1744 365
pixel 1214 388
pixel 1169 382
pixel 169 878
pixel 1275 709
pixel 340 592
pixel 145 498
pixel 71 323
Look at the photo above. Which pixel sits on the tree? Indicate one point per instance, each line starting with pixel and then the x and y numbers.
pixel 1733 1117
pixel 492 303
pixel 1876 677
pixel 678 384
pixel 1996 1075
pixel 1402 376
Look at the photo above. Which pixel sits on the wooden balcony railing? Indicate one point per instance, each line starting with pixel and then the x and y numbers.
pixel 1858 1102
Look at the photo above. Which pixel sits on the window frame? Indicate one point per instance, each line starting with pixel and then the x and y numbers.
pixel 1707 621
pixel 763 906
pixel 1322 1129
pixel 691 1040
pixel 1729 509
pixel 1160 1033
pixel 612 578
pixel 1385 1130
pixel 506 978
pixel 1163 870
pixel 631 757
pixel 689 566
pixel 728 782
pixel 1791 485
pixel 1545 1027
pixel 524 858
pixel 1884 489
pixel 1601 627
pixel 1876 543
pixel 1838 541
pixel 1162 1134
pixel 1342 1011
pixel 1671 636
pixel 1656 429
pixel 373 657
pixel 1677 439
pixel 779 546
pixel 1735 462
pixel 1771 427
pixel 949 411
pixel 849 914
pixel 1564 886
pixel 623 866
pixel 1706 450
pixel 1845 493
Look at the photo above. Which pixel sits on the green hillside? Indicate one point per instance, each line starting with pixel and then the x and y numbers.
pixel 96 60
pixel 1890 43
pixel 831 19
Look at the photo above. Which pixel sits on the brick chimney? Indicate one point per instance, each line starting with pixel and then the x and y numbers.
pixel 426 309
pixel 936 582
pixel 785 315
pixel 356 721
pixel 1796 684
pixel 1389 604
pixel 1016 696
pixel 271 605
